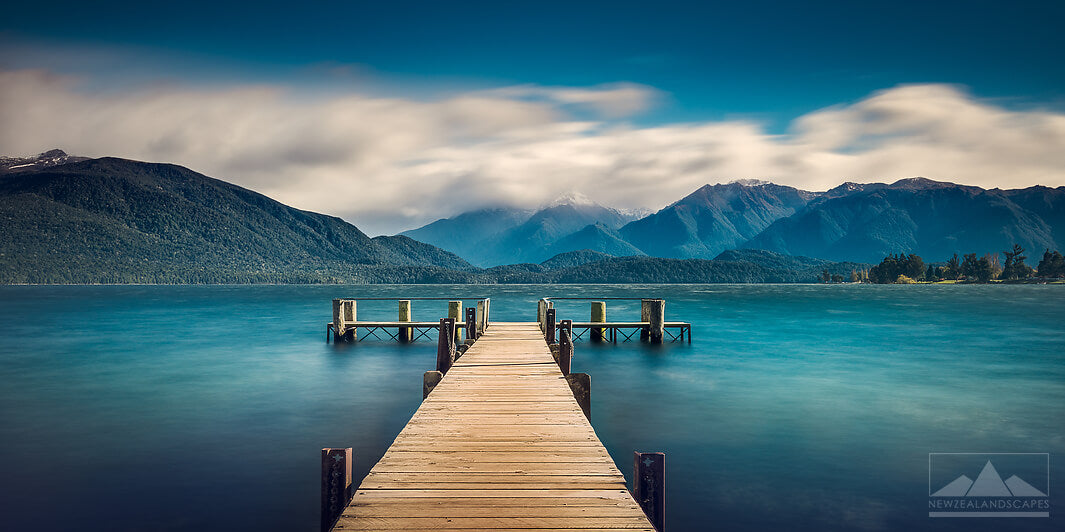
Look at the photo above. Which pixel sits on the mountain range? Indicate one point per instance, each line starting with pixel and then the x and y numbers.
pixel 852 222
pixel 77 220
pixel 115 220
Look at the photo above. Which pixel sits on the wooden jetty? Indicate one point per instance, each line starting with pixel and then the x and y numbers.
pixel 345 325
pixel 502 441
pixel 652 326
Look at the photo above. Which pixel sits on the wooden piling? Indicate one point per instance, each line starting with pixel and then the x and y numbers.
pixel 429 381
pixel 471 323
pixel 405 315
pixel 343 314
pixel 549 326
pixel 445 345
pixel 350 316
pixel 454 311
pixel 482 314
pixel 581 386
pixel 598 316
pixel 541 314
pixel 649 486
pixel 565 346
pixel 487 313
pixel 645 316
pixel 336 484
pixel 656 316
pixel 338 319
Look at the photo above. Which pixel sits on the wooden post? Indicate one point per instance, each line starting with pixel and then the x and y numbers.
pixel 645 316
pixel 656 313
pixel 549 326
pixel 598 316
pixel 581 386
pixel 565 346
pixel 454 311
pixel 541 314
pixel 350 315
pixel 338 319
pixel 405 315
pixel 482 309
pixel 471 323
pixel 487 313
pixel 429 381
pixel 445 345
pixel 649 486
pixel 336 484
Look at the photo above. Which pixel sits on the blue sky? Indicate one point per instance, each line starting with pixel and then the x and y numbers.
pixel 777 67
pixel 775 60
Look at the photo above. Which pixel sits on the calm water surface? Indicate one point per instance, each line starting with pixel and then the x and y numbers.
pixel 796 407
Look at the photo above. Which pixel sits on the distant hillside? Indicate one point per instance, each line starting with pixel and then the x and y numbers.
pixel 929 218
pixel 465 233
pixel 570 259
pixel 119 221
pixel 511 236
pixel 595 237
pixel 713 219
pixel 659 270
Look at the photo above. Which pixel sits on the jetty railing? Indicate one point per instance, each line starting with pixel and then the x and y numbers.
pixel 344 327
pixel 652 326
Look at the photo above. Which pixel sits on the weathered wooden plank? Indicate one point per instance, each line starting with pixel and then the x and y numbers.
pixel 394 510
pixel 493 523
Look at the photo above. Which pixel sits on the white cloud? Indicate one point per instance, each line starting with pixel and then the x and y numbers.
pixel 391 163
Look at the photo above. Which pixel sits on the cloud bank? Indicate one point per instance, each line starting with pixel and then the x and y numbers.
pixel 388 164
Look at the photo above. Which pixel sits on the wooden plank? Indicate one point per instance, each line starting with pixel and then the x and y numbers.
pixel 394 510
pixel 492 523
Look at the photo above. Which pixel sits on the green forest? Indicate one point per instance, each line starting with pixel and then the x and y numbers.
pixel 909 268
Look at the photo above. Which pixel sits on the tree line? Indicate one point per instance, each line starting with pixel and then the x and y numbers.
pixel 909 268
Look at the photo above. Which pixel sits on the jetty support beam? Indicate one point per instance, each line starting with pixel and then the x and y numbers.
pixel 649 486
pixel 336 484
pixel 429 381
pixel 445 345
pixel 598 316
pixel 656 316
pixel 405 315
pixel 565 346
pixel 581 386
pixel 549 327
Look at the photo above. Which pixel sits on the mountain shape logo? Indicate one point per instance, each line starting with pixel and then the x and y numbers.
pixel 988 484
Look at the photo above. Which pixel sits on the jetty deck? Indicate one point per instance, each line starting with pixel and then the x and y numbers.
pixel 501 444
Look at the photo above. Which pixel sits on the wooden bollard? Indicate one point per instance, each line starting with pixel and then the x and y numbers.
pixel 649 486
pixel 598 316
pixel 338 319
pixel 445 345
pixel 482 313
pixel 336 484
pixel 656 315
pixel 645 316
pixel 487 313
pixel 549 326
pixel 471 323
pixel 405 314
pixel 429 381
pixel 581 386
pixel 541 314
pixel 343 314
pixel 565 346
pixel 454 311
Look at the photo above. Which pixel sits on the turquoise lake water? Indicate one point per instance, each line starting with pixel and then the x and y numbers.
pixel 797 407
